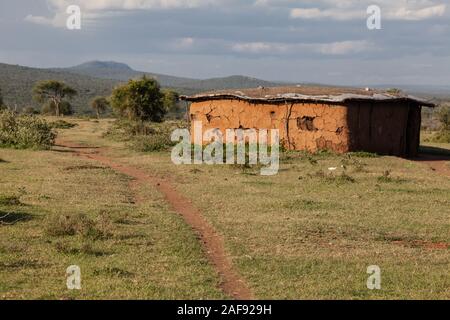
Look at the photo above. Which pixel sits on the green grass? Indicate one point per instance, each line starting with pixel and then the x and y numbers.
pixel 305 233
pixel 58 212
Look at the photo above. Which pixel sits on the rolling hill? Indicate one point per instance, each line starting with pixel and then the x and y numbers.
pixel 17 83
pixel 99 78
pixel 120 71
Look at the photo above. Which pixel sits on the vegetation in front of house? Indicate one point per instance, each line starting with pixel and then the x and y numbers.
pixel 25 131
pixel 144 136
pixel 140 100
pixel 141 107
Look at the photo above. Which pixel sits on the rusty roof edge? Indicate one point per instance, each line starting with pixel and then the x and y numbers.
pixel 313 98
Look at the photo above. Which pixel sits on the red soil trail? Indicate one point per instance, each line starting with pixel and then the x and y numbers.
pixel 231 283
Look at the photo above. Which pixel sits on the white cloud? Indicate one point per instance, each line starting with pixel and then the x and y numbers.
pixel 94 9
pixel 419 14
pixel 353 9
pixel 95 5
pixel 258 47
pixel 333 48
pixel 336 14
pixel 340 10
pixel 345 47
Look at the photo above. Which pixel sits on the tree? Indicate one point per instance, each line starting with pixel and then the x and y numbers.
pixel 99 104
pixel 53 91
pixel 170 100
pixel 139 100
pixel 172 104
pixel 65 108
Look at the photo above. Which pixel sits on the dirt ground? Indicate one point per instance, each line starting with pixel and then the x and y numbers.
pixel 232 284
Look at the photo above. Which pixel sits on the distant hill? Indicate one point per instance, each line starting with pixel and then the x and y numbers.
pixel 17 83
pixel 119 71
pixel 99 78
pixel 122 72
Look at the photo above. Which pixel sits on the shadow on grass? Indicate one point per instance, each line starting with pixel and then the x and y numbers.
pixel 435 153
pixel 22 264
pixel 63 150
pixel 75 147
pixel 11 218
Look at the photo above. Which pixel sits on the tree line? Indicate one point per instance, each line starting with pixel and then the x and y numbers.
pixel 141 99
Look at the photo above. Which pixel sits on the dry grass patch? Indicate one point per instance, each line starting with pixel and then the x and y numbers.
pixel 87 216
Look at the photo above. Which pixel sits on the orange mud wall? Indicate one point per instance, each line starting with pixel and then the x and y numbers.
pixel 385 128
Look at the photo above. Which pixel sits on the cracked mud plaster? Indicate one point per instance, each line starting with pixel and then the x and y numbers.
pixel 328 122
pixel 313 126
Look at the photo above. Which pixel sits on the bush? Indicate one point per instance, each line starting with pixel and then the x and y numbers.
pixel 442 136
pixel 79 224
pixel 145 136
pixel 151 143
pixel 25 132
pixel 140 99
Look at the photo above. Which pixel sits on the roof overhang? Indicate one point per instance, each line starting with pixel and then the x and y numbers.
pixel 295 97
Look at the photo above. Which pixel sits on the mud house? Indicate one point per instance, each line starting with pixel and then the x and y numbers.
pixel 318 118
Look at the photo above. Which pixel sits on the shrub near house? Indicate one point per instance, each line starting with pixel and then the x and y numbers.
pixel 25 132
pixel 141 107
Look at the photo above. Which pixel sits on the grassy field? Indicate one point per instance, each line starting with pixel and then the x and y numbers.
pixel 305 233
pixel 132 250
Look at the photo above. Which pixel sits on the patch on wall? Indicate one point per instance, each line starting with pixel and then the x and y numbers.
pixel 306 124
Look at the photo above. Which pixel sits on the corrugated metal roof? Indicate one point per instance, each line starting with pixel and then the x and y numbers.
pixel 306 94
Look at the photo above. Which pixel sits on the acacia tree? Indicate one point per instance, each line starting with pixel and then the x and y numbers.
pixel 65 108
pixel 54 91
pixel 99 104
pixel 139 100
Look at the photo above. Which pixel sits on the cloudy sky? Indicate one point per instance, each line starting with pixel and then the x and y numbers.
pixel 323 41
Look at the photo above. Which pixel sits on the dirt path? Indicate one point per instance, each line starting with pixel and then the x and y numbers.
pixel 439 164
pixel 213 243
